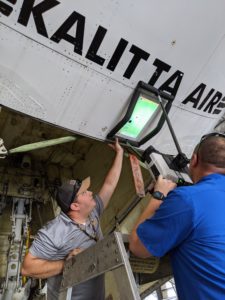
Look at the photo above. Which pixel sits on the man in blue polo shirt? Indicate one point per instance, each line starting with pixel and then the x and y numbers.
pixel 189 223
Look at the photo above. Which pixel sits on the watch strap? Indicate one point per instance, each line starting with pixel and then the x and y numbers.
pixel 158 195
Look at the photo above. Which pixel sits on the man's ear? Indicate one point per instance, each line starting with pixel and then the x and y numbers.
pixel 74 206
pixel 194 160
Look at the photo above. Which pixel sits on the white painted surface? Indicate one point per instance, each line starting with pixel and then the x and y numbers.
pixel 49 81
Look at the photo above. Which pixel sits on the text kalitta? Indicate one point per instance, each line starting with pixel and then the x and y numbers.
pixel 201 98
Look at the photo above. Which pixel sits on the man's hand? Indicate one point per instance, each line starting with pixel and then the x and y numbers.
pixel 116 147
pixel 74 252
pixel 164 185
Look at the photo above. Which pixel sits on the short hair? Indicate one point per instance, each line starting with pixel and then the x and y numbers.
pixel 212 151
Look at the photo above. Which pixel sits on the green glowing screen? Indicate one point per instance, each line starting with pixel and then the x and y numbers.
pixel 143 111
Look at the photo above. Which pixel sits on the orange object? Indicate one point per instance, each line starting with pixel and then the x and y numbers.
pixel 137 175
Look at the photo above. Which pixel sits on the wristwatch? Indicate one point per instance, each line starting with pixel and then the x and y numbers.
pixel 158 195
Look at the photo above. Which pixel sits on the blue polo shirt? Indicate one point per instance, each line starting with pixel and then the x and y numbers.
pixel 190 224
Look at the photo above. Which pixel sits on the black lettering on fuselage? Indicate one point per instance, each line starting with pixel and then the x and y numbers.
pixel 212 103
pixel 5 9
pixel 160 67
pixel 61 33
pixel 204 101
pixel 220 106
pixel 95 44
pixel 138 55
pixel 28 8
pixel 195 96
pixel 176 78
pixel 215 99
pixel 117 55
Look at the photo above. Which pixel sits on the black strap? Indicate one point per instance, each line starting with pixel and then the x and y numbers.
pixel 93 237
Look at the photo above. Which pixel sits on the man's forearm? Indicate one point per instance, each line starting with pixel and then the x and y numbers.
pixel 40 268
pixel 149 211
pixel 111 178
pixel 135 244
pixel 114 173
pixel 164 186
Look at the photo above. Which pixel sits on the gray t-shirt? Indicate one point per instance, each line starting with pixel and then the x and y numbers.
pixel 57 238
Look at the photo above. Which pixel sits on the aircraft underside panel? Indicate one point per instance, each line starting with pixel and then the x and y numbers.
pixel 76 66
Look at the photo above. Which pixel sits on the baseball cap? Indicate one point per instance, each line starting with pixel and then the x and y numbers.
pixel 69 190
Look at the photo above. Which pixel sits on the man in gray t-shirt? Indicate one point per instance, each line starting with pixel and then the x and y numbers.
pixel 75 229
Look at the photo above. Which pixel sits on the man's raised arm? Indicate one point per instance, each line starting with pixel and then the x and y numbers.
pixel 113 175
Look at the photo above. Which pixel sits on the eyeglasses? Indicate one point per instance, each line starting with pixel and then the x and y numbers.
pixel 206 136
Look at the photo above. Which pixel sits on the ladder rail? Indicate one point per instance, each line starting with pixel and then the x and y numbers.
pixel 109 254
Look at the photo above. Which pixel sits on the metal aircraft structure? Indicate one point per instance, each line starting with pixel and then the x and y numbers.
pixel 68 70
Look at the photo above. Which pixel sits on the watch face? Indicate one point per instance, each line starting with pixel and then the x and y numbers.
pixel 158 195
